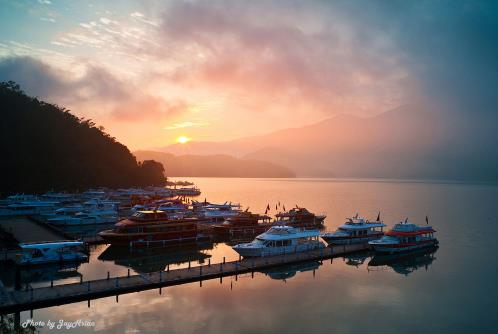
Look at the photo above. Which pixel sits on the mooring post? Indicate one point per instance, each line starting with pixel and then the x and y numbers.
pixel 236 277
pixel 188 264
pixel 240 257
pixel 108 275
pixel 223 260
pixel 18 278
pixel 81 279
pixel 160 290
pixel 313 273
pixel 51 283
pixel 221 279
pixel 128 272
pixel 167 268
pixel 88 303
pixel 200 283
pixel 209 262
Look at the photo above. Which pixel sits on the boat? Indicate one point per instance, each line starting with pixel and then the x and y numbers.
pixel 244 223
pixel 151 227
pixel 299 217
pixel 217 213
pixel 51 252
pixel 27 208
pixel 281 240
pixel 83 218
pixel 405 237
pixel 187 191
pixel 356 230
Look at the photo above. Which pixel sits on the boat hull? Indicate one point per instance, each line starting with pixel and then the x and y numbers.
pixel 271 251
pixel 402 248
pixel 331 240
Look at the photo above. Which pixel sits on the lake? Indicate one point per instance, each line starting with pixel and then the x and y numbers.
pixel 453 290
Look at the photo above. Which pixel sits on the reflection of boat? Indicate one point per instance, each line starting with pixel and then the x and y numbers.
pixel 405 237
pixel 40 274
pixel 405 263
pixel 145 227
pixel 299 217
pixel 281 240
pixel 51 252
pixel 244 223
pixel 356 259
pixel 355 230
pixel 290 270
pixel 145 260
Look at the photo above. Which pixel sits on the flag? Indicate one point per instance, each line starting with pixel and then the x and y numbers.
pixel 427 220
pixel 276 207
pixel 268 207
pixel 266 211
pixel 284 207
pixel 378 217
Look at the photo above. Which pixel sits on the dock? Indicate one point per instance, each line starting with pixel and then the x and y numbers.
pixel 30 299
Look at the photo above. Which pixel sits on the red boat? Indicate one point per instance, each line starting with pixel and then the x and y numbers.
pixel 405 237
pixel 152 227
pixel 244 223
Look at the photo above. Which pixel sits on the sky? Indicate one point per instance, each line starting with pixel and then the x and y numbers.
pixel 151 72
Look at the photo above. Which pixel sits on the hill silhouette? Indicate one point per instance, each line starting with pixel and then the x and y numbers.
pixel 215 165
pixel 45 147
pixel 409 142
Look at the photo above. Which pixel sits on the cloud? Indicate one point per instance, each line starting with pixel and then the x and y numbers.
pixel 40 79
pixel 148 108
pixel 184 125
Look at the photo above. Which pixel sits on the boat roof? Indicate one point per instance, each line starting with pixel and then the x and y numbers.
pixel 287 232
pixel 356 223
pixel 51 244
pixel 409 229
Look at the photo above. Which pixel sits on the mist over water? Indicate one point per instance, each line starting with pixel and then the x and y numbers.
pixel 452 290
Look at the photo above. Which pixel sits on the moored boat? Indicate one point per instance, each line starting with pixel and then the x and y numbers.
pixel 405 237
pixel 355 230
pixel 149 227
pixel 244 223
pixel 299 217
pixel 51 252
pixel 281 240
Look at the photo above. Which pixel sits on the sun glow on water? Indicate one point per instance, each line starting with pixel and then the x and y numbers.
pixel 182 140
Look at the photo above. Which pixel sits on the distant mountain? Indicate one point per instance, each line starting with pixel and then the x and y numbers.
pixel 413 141
pixel 214 165
pixel 45 147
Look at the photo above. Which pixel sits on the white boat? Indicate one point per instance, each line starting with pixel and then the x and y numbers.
pixel 50 252
pixel 218 212
pixel 28 208
pixel 356 230
pixel 64 211
pixel 405 237
pixel 83 218
pixel 101 207
pixel 281 240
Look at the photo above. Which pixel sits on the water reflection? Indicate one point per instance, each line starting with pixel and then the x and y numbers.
pixel 288 271
pixel 152 259
pixel 357 259
pixel 39 274
pixel 405 264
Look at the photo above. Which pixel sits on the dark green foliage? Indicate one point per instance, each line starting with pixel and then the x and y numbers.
pixel 44 147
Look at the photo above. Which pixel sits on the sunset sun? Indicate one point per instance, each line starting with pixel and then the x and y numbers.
pixel 182 140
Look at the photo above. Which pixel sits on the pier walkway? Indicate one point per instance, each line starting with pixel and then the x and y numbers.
pixel 21 300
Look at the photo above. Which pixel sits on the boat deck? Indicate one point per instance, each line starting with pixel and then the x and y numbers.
pixel 29 299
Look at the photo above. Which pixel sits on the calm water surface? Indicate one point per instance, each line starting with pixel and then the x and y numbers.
pixel 453 290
